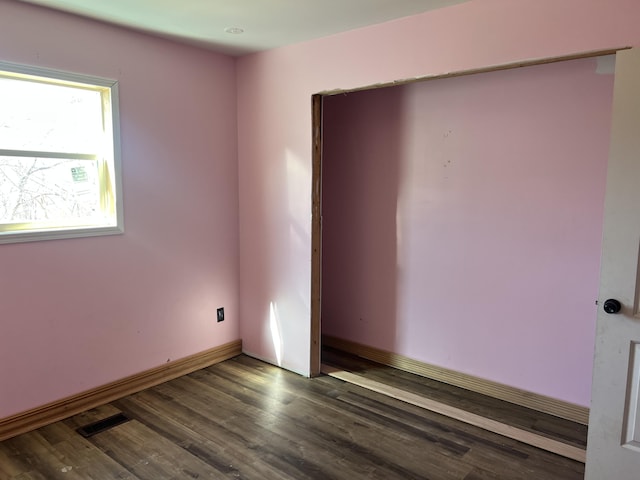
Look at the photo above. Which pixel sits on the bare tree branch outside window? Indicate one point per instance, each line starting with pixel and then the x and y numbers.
pixel 35 189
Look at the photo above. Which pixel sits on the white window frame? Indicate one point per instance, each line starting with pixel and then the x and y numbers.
pixel 109 165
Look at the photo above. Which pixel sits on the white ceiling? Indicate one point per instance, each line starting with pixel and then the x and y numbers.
pixel 266 23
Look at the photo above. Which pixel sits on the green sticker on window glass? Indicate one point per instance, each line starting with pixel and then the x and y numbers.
pixel 79 174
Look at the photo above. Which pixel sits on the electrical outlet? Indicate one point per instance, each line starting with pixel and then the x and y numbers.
pixel 221 314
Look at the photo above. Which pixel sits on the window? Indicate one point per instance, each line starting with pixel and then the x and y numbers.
pixel 59 155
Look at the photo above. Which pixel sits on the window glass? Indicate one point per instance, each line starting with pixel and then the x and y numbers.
pixel 38 116
pixel 59 169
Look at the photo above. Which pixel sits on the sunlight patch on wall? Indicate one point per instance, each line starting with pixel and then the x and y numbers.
pixel 276 336
pixel 298 180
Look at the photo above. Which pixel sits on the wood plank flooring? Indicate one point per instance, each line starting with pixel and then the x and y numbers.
pixel 485 423
pixel 569 432
pixel 245 419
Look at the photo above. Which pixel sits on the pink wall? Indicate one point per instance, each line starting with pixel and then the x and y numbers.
pixel 274 121
pixel 178 260
pixel 462 222
pixel 80 313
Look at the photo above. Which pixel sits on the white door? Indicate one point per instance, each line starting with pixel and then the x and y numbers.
pixel 613 448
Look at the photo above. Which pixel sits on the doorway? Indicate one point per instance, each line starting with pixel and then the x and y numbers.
pixel 389 337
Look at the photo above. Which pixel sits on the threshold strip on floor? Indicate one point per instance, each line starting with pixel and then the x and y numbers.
pixel 533 439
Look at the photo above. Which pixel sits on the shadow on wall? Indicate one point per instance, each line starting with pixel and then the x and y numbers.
pixel 360 181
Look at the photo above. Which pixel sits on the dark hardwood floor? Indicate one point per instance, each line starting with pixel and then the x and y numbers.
pixel 521 417
pixel 245 419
